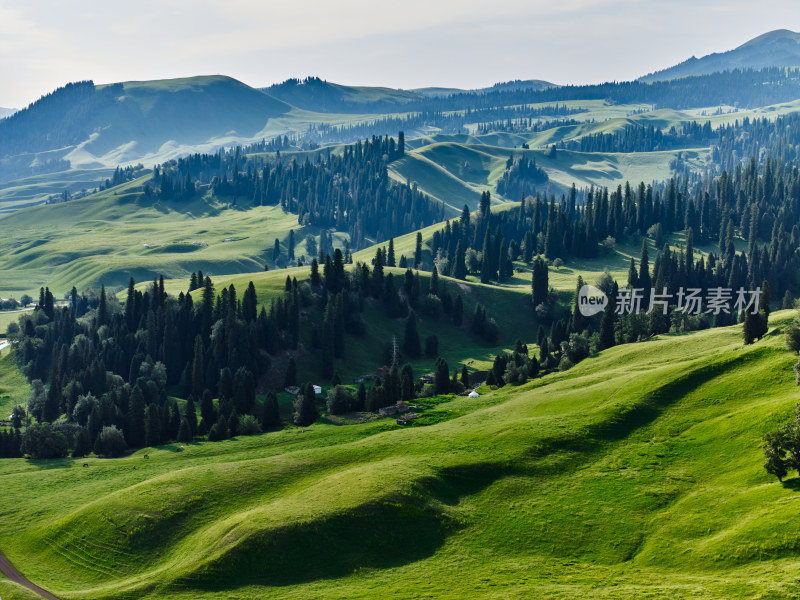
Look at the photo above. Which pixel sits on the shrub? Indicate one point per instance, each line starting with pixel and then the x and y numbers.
pixel 249 425
pixel 340 400
pixel 110 442
pixel 566 364
pixel 44 441
pixel 792 332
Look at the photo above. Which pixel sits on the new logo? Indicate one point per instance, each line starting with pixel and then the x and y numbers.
pixel 591 300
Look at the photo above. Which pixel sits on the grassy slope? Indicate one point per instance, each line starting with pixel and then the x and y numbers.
pixel 13 591
pixel 457 173
pixel 635 475
pixel 101 238
pixel 14 387
pixel 6 317
pixel 34 190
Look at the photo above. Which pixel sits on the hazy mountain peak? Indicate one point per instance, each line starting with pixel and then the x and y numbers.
pixel 772 37
pixel 778 48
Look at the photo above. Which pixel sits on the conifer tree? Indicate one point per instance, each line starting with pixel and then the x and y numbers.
pixel 460 266
pixel 577 321
pixel 361 397
pixel 458 311
pixel 607 339
pixel 271 417
pixel 305 407
pixel 207 411
pixel 130 305
pixel 441 377
pixel 233 424
pixel 406 384
pixel 464 376
pixel 411 345
pixel 315 278
pixel 102 308
pixel 190 415
pixel 184 432
pixel 486 258
pixel 152 426
pixel 198 367
pixel 540 286
pixel 788 301
pixel 644 275
pixel 766 298
pixel 750 327
pixel 136 428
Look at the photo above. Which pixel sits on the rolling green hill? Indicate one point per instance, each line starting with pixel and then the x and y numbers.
pixel 457 173
pixel 111 236
pixel 596 481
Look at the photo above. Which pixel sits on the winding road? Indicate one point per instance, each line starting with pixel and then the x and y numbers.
pixel 9 571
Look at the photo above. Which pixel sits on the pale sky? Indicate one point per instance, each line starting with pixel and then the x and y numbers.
pixel 401 43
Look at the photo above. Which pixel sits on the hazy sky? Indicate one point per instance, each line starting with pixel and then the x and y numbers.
pixel 405 43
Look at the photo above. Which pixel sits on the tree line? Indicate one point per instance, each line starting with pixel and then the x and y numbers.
pixel 103 372
pixel 349 191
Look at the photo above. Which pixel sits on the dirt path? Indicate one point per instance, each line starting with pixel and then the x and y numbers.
pixel 9 571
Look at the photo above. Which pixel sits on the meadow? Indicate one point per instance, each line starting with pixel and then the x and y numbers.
pixel 636 474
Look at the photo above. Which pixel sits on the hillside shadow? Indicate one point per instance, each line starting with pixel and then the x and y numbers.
pixel 47 464
pixel 629 419
pixel 792 484
pixel 380 535
pixel 454 483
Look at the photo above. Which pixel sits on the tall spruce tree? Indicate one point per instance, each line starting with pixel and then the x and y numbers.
pixel 539 281
pixel 305 407
pixel 271 417
pixel 411 345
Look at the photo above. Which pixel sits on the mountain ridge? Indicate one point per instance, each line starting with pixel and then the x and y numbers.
pixel 777 48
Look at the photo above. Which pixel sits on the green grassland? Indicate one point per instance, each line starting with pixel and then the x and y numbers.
pixel 14 387
pixel 34 190
pixel 14 591
pixel 6 317
pixel 111 236
pixel 456 173
pixel 637 474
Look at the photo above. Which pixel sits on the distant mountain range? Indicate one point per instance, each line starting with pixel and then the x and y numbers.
pixel 88 126
pixel 6 112
pixel 318 95
pixel 779 48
